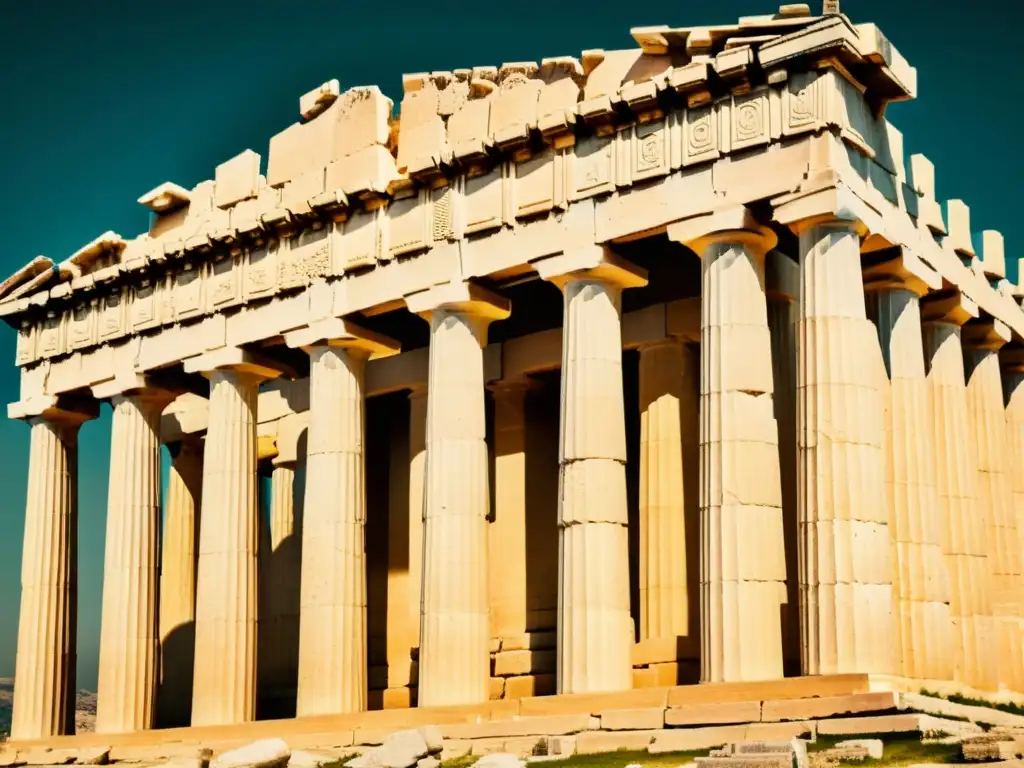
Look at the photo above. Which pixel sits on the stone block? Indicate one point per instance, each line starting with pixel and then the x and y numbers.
pixel 313 102
pixel 428 762
pixel 654 650
pixel 523 662
pixel 746 761
pixel 529 685
pixel 10 757
pixel 872 724
pixel 594 702
pixel 92 755
pixel 533 641
pixel 487 746
pixel 524 746
pixel 690 739
pixel 828 706
pixel 633 719
pixel 236 179
pixel 714 714
pixel 593 742
pixel 992 750
pixel 874 747
pixel 524 726
pixel 645 678
pixel 267 753
pixel 497 690
pixel 455 748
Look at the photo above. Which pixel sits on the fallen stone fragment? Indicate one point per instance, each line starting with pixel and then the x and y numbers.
pixel 432 737
pixel 268 753
pixel 875 747
pixel 499 760
pixel 428 762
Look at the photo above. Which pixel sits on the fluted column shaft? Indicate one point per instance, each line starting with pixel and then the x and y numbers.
pixel 845 583
pixel 667 542
pixel 224 688
pixel 280 584
pixel 963 530
pixel 743 576
pixel 405 540
pixel 595 629
pixel 179 559
pixel 920 589
pixel 332 626
pixel 454 662
pixel 126 694
pixel 995 505
pixel 44 690
pixel 1013 388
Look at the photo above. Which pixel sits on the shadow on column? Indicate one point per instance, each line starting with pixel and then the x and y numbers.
pixel 378 449
pixel 631 394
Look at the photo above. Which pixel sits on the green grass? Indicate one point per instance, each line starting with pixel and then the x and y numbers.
pixel 618 759
pixel 900 749
pixel 955 698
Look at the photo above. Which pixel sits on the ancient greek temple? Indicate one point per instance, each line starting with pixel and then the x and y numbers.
pixel 657 366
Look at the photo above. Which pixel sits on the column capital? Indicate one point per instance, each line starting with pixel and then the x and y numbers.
pixel 463 297
pixel 238 360
pixel 831 204
pixel 343 333
pixel 137 385
pixel 987 333
pixel 899 268
pixel 58 409
pixel 950 307
pixel 733 225
pixel 593 262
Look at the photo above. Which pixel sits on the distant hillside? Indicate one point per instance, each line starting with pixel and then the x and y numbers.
pixel 85 716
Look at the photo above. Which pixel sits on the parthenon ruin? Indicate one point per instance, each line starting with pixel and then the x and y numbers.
pixel 652 367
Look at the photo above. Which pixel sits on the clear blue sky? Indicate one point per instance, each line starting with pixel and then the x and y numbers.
pixel 103 101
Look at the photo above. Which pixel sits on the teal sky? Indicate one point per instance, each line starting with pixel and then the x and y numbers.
pixel 103 101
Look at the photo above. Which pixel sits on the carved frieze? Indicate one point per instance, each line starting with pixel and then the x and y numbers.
pixel 539 183
pixel 484 201
pixel 650 156
pixel 84 323
pixel 443 213
pixel 113 313
pixel 361 241
pixel 261 270
pixel 26 348
pixel 146 305
pixel 188 292
pixel 700 135
pixel 51 335
pixel 306 256
pixel 592 167
pixel 224 282
pixel 410 224
pixel 748 123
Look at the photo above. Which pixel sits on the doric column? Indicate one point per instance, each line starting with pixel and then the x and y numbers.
pixel 405 542
pixel 332 624
pixel 224 684
pixel 895 281
pixel 179 558
pixel 454 658
pixel 743 574
pixel 667 542
pixel 508 563
pixel 595 629
pixel 962 529
pixel 1012 358
pixel 782 288
pixel 44 688
pixel 281 569
pixel 845 583
pixel 982 341
pixel 129 632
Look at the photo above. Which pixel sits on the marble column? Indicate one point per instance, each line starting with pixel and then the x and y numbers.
pixel 224 682
pixel 782 287
pixel 179 558
pixel 982 340
pixel 922 626
pixel 595 629
pixel 963 530
pixel 44 690
pixel 454 657
pixel 332 622
pixel 845 583
pixel 405 547
pixel 129 632
pixel 1012 358
pixel 666 542
pixel 507 533
pixel 743 577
